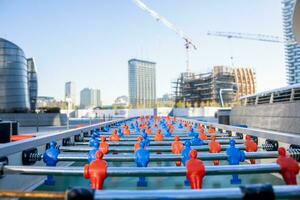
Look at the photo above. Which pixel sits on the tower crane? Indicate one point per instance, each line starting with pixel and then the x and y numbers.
pixel 247 36
pixel 188 41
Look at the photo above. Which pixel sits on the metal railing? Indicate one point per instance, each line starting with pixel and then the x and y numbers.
pixel 286 94
pixel 15 147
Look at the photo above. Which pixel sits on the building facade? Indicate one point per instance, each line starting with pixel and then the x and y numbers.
pixel 70 93
pixel 204 89
pixel 14 92
pixel 32 83
pixel 90 98
pixel 292 50
pixel 142 83
pixel 245 79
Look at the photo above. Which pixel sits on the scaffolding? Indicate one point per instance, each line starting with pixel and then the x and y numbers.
pixel 203 89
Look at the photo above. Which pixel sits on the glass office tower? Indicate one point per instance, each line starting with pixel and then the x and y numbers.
pixel 32 83
pixel 14 92
pixel 292 50
pixel 142 83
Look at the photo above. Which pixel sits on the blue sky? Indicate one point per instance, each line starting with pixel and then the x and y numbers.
pixel 90 41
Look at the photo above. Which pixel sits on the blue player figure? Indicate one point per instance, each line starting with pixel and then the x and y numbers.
pixel 92 153
pixel 142 157
pixel 145 140
pixel 120 132
pixel 132 126
pixel 185 156
pixel 137 130
pixel 94 141
pixel 180 126
pixel 191 133
pixel 196 141
pixel 50 158
pixel 235 156
pixel 167 134
pixel 106 129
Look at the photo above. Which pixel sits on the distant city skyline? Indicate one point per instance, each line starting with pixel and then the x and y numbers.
pixel 95 58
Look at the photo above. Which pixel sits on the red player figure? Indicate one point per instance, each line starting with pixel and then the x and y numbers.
pixel 289 167
pixel 195 170
pixel 177 147
pixel 250 146
pixel 214 147
pixel 103 146
pixel 96 171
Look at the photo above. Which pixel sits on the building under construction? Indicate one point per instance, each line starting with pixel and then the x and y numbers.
pixel 204 89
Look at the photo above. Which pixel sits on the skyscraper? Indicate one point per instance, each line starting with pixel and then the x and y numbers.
pixel 70 92
pixel 90 98
pixel 142 83
pixel 292 50
pixel 32 83
pixel 14 92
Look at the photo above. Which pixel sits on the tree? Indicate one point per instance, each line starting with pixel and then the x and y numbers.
pixel 179 104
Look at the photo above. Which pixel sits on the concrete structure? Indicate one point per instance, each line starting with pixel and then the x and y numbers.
pixel 203 113
pixel 203 89
pixel 90 98
pixel 33 119
pixel 70 93
pixel 292 50
pixel 14 92
pixel 195 112
pixel 276 110
pixel 142 83
pixel 32 83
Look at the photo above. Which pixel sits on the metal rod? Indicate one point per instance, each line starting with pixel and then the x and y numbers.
pixel 126 138
pixel 157 143
pixel 181 171
pixel 168 157
pixel 282 191
pixel 140 171
pixel 131 149
pixel 32 195
pixel 173 134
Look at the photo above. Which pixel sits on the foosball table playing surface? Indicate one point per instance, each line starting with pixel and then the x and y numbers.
pixel 150 157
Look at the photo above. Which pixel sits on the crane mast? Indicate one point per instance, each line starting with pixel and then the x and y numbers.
pixel 188 41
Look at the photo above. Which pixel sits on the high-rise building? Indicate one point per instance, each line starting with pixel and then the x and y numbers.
pixel 90 98
pixel 70 92
pixel 292 50
pixel 32 83
pixel 142 83
pixel 18 81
